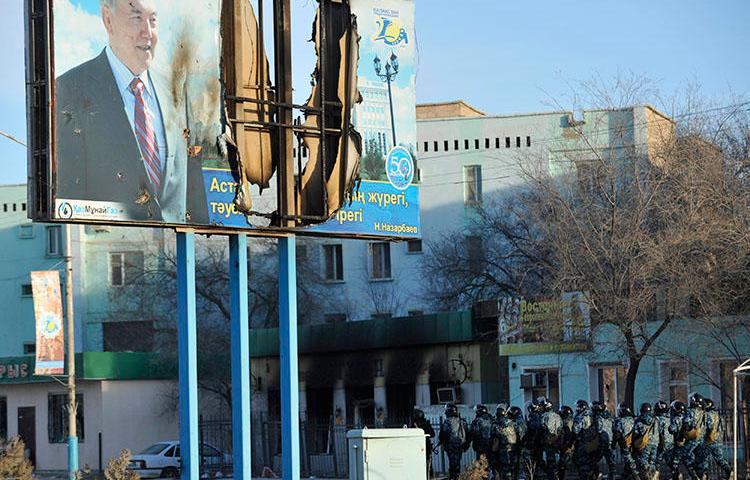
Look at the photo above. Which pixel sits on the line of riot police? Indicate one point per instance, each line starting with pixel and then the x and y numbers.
pixel 549 443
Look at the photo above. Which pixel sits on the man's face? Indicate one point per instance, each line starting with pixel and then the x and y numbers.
pixel 132 30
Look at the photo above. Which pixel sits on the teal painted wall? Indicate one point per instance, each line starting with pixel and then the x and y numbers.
pixel 18 257
pixel 688 341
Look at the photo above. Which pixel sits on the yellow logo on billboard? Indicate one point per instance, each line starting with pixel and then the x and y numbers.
pixel 391 32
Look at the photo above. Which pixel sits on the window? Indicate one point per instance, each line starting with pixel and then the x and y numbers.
pixel 335 317
pixel 474 253
pixel 466 144
pixel 541 382
pixel 5 207
pixel 486 143
pixel 128 336
pixel 611 385
pixel 507 142
pixel 57 418
pixel 445 145
pixel 334 262
pixel 414 246
pixel 476 144
pixel 28 349
pixel 455 144
pixel 3 417
pixel 23 207
pixel 381 260
pixel 26 231
pixel 472 184
pixel 301 253
pixel 124 267
pixel 15 207
pixel 518 142
pixel 54 241
pixel 674 380
pixel 528 141
pixel 426 146
pixel 435 146
pixel 726 384
pixel 497 142
pixel 26 290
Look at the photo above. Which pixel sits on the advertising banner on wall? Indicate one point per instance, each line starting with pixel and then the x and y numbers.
pixel 566 319
pixel 139 127
pixel 50 340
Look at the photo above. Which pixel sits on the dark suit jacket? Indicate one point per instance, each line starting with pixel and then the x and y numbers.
pixel 97 155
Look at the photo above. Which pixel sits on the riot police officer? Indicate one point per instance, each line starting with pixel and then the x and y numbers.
pixel 587 441
pixel 694 432
pixel 666 439
pixel 419 421
pixel 712 447
pixel 551 433
pixel 534 434
pixel 603 422
pixel 645 442
pixel 504 440
pixel 480 432
pixel 519 452
pixel 622 432
pixel 453 438
pixel 677 413
pixel 567 441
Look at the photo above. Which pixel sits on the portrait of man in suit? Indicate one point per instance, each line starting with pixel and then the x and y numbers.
pixel 122 126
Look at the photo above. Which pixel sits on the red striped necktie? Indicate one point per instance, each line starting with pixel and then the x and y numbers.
pixel 144 132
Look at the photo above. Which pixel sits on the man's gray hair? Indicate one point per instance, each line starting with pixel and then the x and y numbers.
pixel 111 4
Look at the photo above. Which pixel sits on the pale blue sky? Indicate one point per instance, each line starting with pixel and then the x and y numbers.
pixel 507 57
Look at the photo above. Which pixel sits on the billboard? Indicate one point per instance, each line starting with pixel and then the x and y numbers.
pixel 139 132
pixel 566 319
pixel 50 342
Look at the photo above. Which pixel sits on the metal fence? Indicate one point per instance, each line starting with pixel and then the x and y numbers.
pixel 323 447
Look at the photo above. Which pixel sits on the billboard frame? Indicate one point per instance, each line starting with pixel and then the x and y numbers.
pixel 42 156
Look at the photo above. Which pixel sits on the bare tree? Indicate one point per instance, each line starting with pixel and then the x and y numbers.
pixel 149 292
pixel 647 217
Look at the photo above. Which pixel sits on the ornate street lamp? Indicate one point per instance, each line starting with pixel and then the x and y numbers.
pixel 391 70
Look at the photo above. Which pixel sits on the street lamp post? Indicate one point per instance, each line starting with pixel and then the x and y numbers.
pixel 391 70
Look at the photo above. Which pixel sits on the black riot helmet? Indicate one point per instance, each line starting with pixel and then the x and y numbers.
pixel 624 411
pixel 451 410
pixel 708 404
pixel 677 408
pixel 598 406
pixel 501 410
pixel 582 406
pixel 481 409
pixel 565 411
pixel 661 408
pixel 515 412
pixel 696 400
pixel 418 414
pixel 645 408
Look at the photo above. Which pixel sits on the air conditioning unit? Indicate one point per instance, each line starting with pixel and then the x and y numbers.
pixel 446 395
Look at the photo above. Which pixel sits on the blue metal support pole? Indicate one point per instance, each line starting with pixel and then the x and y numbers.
pixel 187 351
pixel 289 365
pixel 241 439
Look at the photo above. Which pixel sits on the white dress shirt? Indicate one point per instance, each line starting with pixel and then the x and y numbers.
pixel 124 77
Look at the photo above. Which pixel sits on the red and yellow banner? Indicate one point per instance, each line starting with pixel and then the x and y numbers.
pixel 50 342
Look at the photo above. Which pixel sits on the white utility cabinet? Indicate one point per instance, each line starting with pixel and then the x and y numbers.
pixel 387 454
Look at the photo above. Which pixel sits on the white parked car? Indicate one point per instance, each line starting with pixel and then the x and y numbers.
pixel 162 460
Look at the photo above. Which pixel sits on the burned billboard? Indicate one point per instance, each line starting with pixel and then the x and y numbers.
pixel 173 113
